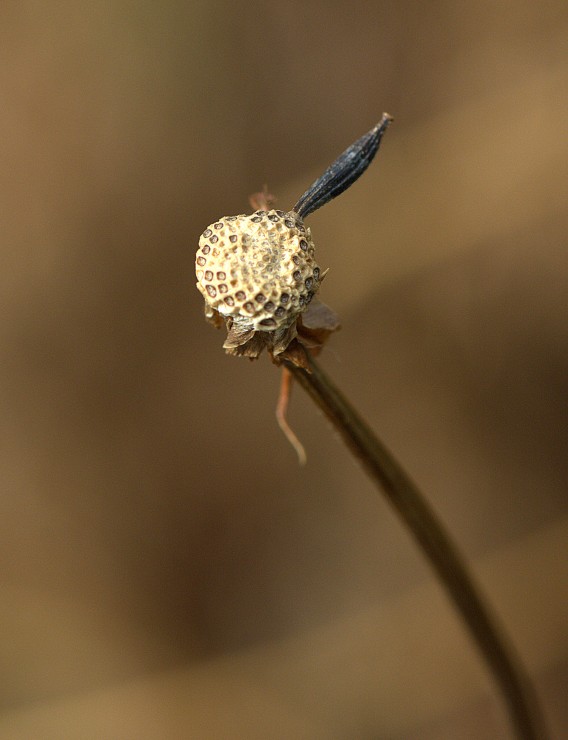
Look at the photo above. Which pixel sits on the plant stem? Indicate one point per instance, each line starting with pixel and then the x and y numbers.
pixel 438 547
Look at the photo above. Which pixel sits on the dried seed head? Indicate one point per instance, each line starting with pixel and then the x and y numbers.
pixel 259 273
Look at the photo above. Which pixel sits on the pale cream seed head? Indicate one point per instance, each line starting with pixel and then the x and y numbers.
pixel 258 270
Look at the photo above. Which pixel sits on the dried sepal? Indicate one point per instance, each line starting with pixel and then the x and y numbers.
pixel 250 348
pixel 295 353
pixel 250 343
pixel 314 328
pixel 316 325
pixel 237 336
pixel 213 317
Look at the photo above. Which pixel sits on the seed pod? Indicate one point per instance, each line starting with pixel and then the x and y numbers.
pixel 259 273
pixel 346 169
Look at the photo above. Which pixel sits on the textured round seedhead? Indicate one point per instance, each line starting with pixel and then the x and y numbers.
pixel 257 271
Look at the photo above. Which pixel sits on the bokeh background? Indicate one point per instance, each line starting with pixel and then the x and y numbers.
pixel 167 569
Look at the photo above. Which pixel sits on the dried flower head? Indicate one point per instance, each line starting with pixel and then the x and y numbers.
pixel 258 273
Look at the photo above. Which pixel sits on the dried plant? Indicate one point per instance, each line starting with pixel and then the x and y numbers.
pixel 259 278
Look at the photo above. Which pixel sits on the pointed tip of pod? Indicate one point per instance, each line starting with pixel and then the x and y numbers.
pixel 384 123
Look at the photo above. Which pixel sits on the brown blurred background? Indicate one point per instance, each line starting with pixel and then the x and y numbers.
pixel 167 569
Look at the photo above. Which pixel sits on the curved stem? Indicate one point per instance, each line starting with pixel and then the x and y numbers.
pixel 437 546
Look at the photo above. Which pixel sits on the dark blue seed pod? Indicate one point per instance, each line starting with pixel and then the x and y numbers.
pixel 347 168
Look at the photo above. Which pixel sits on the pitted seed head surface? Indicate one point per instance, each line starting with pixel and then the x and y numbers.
pixel 258 270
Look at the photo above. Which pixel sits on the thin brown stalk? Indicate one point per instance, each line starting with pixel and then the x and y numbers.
pixel 436 544
pixel 282 415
